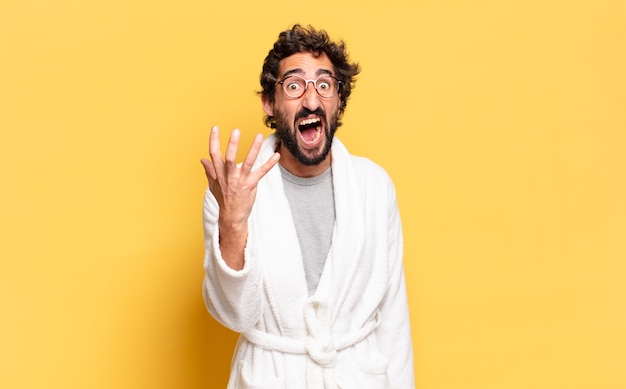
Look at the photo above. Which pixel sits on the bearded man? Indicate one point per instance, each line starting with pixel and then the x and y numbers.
pixel 303 240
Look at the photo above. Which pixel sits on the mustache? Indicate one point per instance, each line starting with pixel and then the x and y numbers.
pixel 304 112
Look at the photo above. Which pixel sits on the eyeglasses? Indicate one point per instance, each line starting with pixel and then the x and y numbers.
pixel 295 86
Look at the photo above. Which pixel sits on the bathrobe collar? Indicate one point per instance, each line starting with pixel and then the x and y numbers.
pixel 273 234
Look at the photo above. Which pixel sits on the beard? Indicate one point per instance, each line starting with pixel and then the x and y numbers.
pixel 288 135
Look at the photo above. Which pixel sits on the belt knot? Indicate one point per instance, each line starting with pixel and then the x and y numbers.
pixel 320 344
pixel 322 351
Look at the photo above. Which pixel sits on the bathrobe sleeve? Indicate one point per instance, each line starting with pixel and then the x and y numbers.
pixel 394 332
pixel 232 297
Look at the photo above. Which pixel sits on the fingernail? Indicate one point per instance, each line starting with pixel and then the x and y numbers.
pixel 235 132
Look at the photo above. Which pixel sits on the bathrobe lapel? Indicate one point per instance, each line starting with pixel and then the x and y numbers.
pixel 276 242
pixel 347 242
pixel 274 236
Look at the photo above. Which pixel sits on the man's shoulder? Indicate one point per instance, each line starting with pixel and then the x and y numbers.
pixel 367 166
pixel 371 175
pixel 366 169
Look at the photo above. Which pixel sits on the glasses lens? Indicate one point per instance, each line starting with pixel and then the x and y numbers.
pixel 294 86
pixel 326 86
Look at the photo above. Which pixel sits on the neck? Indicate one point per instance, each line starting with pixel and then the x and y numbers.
pixel 295 167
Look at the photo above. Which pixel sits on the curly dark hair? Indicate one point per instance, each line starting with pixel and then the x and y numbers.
pixel 301 39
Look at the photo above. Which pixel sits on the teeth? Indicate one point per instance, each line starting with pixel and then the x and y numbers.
pixel 309 121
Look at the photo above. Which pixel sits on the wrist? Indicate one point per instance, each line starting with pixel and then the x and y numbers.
pixel 232 240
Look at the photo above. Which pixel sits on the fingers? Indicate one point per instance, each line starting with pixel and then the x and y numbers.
pixel 221 165
pixel 247 164
pixel 266 167
pixel 217 164
pixel 221 168
pixel 231 149
pixel 209 169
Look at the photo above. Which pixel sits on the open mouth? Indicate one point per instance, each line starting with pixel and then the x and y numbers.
pixel 310 129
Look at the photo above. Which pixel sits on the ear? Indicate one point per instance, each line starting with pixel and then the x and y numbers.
pixel 268 107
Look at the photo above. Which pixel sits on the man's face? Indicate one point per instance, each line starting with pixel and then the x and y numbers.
pixel 305 125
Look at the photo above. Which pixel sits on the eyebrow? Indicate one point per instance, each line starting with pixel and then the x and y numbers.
pixel 300 72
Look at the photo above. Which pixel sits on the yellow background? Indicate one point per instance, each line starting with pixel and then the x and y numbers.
pixel 502 123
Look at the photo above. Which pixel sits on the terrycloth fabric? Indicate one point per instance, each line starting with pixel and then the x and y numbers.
pixel 354 332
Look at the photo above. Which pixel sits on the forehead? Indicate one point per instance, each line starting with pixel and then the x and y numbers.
pixel 306 64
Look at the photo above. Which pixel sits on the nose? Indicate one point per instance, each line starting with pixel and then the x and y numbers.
pixel 311 99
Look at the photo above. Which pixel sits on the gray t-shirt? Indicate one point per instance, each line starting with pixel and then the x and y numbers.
pixel 312 205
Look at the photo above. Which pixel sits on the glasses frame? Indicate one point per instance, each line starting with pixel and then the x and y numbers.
pixel 282 83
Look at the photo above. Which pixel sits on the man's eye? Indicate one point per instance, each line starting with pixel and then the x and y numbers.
pixel 323 85
pixel 293 86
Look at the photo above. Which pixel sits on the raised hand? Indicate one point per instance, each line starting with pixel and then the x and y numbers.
pixel 234 187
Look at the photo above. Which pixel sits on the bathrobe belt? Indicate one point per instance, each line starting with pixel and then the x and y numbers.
pixel 320 345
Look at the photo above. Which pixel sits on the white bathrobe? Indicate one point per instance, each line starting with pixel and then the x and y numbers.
pixel 354 332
